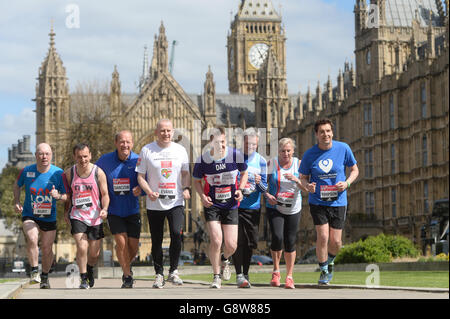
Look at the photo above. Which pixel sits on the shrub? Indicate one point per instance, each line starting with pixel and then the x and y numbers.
pixel 377 249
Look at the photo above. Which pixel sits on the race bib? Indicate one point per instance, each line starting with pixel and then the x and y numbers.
pixel 167 190
pixel 223 193
pixel 84 201
pixel 285 199
pixel 42 209
pixel 328 193
pixel 121 186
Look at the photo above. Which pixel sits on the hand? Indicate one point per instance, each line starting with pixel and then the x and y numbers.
pixel 103 214
pixel 137 191
pixel 153 196
pixel 206 201
pixel 272 200
pixel 186 194
pixel 342 186
pixel 18 208
pixel 54 193
pixel 311 187
pixel 238 195
pixel 291 177
pixel 257 178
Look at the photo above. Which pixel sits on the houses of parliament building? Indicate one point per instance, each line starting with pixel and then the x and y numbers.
pixel 391 107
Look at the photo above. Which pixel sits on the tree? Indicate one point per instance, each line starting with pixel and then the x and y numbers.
pixel 7 180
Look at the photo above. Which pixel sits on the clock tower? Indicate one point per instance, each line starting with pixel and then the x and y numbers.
pixel 255 28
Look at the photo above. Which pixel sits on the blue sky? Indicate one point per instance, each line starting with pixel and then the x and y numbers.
pixel 320 38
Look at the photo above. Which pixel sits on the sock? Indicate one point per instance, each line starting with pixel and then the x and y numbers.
pixel 34 268
pixel 222 257
pixel 324 266
pixel 331 259
pixel 89 268
pixel 44 274
pixel 84 276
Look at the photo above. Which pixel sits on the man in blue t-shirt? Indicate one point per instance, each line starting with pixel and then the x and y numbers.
pixel 44 185
pixel 124 217
pixel 220 196
pixel 323 172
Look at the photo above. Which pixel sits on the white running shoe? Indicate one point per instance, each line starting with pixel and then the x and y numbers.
pixel 217 282
pixel 225 270
pixel 174 278
pixel 159 281
pixel 35 278
pixel 241 281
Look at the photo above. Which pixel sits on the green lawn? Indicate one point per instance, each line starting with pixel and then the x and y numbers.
pixel 426 279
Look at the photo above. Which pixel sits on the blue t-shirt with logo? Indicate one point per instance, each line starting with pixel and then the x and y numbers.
pixel 38 203
pixel 221 177
pixel 121 178
pixel 252 191
pixel 326 168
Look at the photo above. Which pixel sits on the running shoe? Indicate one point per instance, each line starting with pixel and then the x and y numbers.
pixel 289 284
pixel 225 270
pixel 174 278
pixel 35 278
pixel 248 279
pixel 159 281
pixel 217 282
pixel 330 271
pixel 127 282
pixel 242 282
pixel 84 283
pixel 275 282
pixel 90 276
pixel 323 279
pixel 44 283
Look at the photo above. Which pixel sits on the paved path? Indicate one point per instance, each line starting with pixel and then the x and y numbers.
pixel 110 289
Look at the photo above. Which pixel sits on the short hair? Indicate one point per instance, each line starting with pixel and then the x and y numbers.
pixel 251 131
pixel 322 122
pixel 116 137
pixel 220 130
pixel 286 140
pixel 161 121
pixel 79 147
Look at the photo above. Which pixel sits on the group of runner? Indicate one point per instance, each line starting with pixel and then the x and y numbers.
pixel 230 183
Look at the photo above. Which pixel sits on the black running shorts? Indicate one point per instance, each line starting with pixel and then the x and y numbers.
pixel 92 232
pixel 224 216
pixel 44 226
pixel 332 215
pixel 131 225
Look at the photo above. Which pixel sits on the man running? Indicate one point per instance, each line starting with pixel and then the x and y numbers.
pixel 44 185
pixel 323 173
pixel 250 207
pixel 124 218
pixel 163 174
pixel 220 195
pixel 90 201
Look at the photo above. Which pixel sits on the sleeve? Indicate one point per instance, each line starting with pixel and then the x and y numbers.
pixel 62 181
pixel 241 164
pixel 141 164
pixel 350 159
pixel 21 179
pixel 262 186
pixel 305 168
pixel 198 172
pixel 184 160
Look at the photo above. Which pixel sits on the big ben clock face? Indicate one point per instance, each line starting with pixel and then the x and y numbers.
pixel 257 54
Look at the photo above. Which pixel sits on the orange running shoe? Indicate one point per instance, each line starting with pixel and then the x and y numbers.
pixel 275 282
pixel 289 283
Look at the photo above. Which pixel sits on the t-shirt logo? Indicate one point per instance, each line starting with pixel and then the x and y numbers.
pixel 326 165
pixel 165 172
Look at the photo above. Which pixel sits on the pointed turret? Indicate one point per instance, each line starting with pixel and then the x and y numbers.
pixel 209 99
pixel 319 105
pixel 431 51
pixel 145 71
pixel 115 96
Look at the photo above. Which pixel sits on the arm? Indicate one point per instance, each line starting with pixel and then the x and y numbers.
pixel 103 185
pixel 309 187
pixel 206 200
pixel 354 172
pixel 185 182
pixel 244 178
pixel 68 203
pixel 17 205
pixel 146 188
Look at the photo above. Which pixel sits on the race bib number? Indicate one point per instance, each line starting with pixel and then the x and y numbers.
pixel 83 201
pixel 167 190
pixel 328 193
pixel 223 193
pixel 285 199
pixel 42 209
pixel 121 186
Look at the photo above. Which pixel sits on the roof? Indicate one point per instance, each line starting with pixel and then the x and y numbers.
pixel 258 10
pixel 400 13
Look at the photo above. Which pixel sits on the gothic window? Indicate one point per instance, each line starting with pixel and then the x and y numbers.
pixel 423 100
pixel 368 57
pixel 394 202
pixel 368 119
pixel 391 112
pixel 368 163
pixel 424 151
pixel 370 203
pixel 425 197
pixel 392 159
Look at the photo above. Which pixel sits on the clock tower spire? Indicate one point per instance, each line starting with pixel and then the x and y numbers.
pixel 256 27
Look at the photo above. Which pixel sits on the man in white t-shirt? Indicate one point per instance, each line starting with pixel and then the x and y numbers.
pixel 166 165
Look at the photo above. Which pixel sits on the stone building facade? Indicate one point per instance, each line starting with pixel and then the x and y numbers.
pixel 20 155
